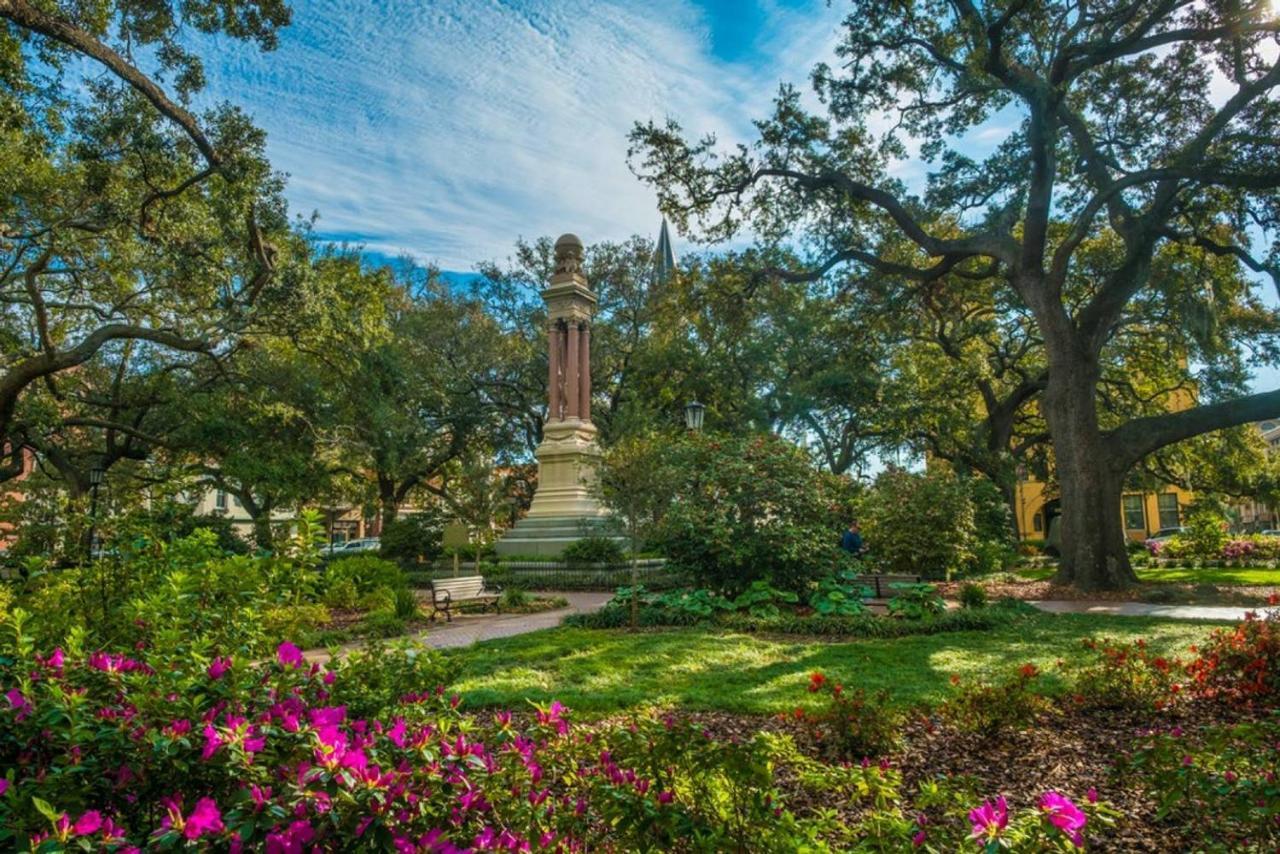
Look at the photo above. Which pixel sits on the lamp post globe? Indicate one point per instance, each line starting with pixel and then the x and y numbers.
pixel 693 415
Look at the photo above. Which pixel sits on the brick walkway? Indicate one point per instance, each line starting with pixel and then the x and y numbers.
pixel 467 629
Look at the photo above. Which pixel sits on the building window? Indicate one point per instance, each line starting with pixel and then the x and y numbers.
pixel 220 500
pixel 1135 513
pixel 1037 522
pixel 1169 515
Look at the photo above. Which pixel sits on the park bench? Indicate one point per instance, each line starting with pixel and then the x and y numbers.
pixel 447 592
pixel 881 586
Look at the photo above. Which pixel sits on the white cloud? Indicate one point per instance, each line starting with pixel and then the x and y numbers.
pixel 447 129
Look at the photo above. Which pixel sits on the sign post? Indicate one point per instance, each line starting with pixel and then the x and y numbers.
pixel 456 537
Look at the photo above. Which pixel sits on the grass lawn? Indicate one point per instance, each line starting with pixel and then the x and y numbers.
pixel 1180 575
pixel 598 671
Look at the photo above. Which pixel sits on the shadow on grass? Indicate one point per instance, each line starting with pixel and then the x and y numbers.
pixel 602 671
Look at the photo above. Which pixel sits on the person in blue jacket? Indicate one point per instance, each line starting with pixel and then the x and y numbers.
pixel 852 539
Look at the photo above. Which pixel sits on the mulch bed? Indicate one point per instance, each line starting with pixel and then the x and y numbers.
pixel 1067 752
pixel 1185 593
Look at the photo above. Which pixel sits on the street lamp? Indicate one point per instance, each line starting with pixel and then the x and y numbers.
pixel 693 414
pixel 96 474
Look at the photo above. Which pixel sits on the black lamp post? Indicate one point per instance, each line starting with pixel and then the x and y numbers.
pixel 96 475
pixel 693 414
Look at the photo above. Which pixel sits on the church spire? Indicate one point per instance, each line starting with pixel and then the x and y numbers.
pixel 665 257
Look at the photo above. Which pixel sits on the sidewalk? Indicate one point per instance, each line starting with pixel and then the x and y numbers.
pixel 1231 613
pixel 467 629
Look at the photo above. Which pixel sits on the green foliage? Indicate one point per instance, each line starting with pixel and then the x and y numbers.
pixel 972 595
pixel 699 603
pixel 991 708
pixel 1220 782
pixel 374 678
pixel 366 572
pixel 383 624
pixel 406 604
pixel 1203 536
pixel 916 601
pixel 1112 675
pixel 514 597
pixel 748 509
pixel 341 593
pixel 920 524
pixel 593 551
pixel 840 594
pixel 761 600
pixel 851 724
pixel 410 539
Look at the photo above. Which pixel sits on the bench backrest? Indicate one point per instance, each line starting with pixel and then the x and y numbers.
pixel 882 585
pixel 465 587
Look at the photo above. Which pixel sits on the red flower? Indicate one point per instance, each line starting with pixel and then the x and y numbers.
pixel 816 681
pixel 1028 671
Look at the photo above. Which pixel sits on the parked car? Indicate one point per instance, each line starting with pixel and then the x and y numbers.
pixel 1164 535
pixel 366 544
pixel 1270 532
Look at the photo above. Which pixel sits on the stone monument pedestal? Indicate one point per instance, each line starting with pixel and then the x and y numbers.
pixel 564 507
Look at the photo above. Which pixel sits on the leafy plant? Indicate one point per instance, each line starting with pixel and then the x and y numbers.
pixel 838 595
pixel 699 603
pixel 367 572
pixel 851 724
pixel 761 600
pixel 972 595
pixel 915 601
pixel 991 708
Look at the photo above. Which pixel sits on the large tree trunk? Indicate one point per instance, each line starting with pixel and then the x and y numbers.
pixel 1093 550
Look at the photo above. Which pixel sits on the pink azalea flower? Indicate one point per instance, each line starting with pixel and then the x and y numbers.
pixel 919 838
pixel 88 823
pixel 205 819
pixel 19 702
pixel 1064 815
pixel 57 659
pixel 665 797
pixel 219 667
pixel 990 819
pixel 289 655
pixel 396 733
pixel 212 741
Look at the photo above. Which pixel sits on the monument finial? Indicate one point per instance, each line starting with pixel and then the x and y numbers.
pixel 568 254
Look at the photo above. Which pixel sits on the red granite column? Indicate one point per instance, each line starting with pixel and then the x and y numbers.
pixel 584 373
pixel 571 365
pixel 554 339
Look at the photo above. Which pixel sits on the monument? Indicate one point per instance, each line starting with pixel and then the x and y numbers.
pixel 564 506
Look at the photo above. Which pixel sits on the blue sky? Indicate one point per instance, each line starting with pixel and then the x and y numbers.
pixel 447 129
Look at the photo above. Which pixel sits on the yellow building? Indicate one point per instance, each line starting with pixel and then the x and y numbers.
pixel 1144 513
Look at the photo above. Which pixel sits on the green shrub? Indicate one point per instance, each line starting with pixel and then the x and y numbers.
pixel 920 523
pixel 593 551
pixel 366 572
pixel 851 724
pixel 410 540
pixel 1121 676
pixel 699 603
pixel 382 624
pixel 859 626
pixel 972 595
pixel 989 709
pixel 381 599
pixel 341 594
pixel 749 509
pixel 374 678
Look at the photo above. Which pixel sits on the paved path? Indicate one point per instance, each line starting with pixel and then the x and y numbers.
pixel 1146 609
pixel 467 629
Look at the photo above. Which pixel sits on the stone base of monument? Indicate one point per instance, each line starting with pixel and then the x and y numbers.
pixel 547 536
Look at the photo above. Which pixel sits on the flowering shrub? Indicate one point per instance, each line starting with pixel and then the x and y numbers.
pixel 1242 662
pixel 851 725
pixel 1224 780
pixel 1112 675
pixel 108 749
pixel 840 594
pixel 1241 548
pixel 990 708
